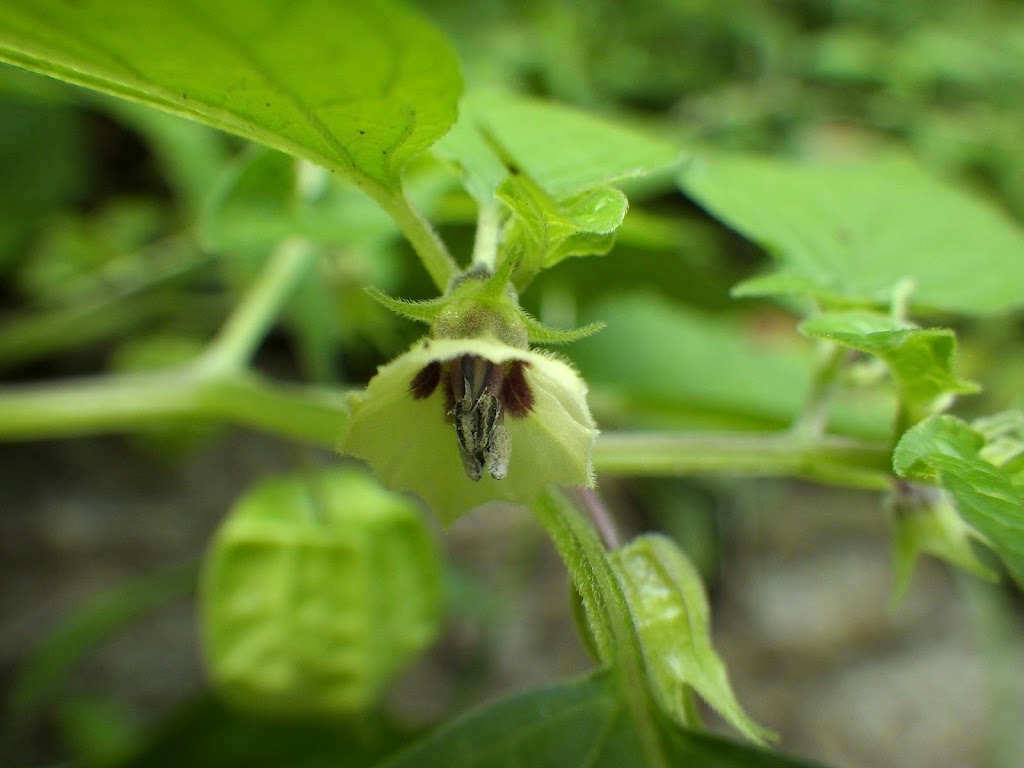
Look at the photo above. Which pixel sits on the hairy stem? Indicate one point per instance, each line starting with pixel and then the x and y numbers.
pixel 314 415
pixel 138 401
pixel 422 237
pixel 833 460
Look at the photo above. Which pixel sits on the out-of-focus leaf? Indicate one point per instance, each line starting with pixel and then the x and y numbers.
pixel 920 359
pixel 190 156
pixel 661 365
pixel 52 660
pixel 850 232
pixel 946 451
pixel 256 203
pixel 43 165
pixel 85 257
pixel 206 734
pixel 581 722
pixel 565 151
pixel 670 612
pixel 316 590
pixel 99 733
pixel 356 87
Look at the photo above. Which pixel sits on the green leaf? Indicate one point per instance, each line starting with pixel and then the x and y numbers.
pixel 205 733
pixel 576 723
pixel 563 150
pixel 920 359
pixel 258 201
pixel 670 612
pixel 316 590
pixel 543 231
pixel 665 366
pixel 356 87
pixel 947 451
pixel 1004 447
pixel 53 659
pixel 852 231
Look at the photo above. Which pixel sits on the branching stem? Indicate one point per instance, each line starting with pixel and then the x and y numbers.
pixel 813 419
pixel 128 402
pixel 237 342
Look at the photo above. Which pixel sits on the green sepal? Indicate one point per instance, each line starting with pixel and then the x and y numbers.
pixel 924 522
pixel 946 451
pixel 421 311
pixel 541 334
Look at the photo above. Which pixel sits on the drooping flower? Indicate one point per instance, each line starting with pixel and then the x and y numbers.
pixel 464 421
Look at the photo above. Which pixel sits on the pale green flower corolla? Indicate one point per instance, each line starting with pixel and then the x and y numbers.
pixel 460 422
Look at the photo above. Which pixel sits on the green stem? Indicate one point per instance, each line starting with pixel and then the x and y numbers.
pixel 134 401
pixel 833 460
pixel 249 323
pixel 488 229
pixel 607 613
pixel 140 401
pixel 813 418
pixel 424 240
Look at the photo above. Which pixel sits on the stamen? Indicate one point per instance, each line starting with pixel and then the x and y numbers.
pixel 516 395
pixel 425 382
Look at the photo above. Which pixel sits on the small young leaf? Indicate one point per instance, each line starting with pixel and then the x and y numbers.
pixel 577 723
pixel 544 231
pixel 850 231
pixel 947 451
pixel 920 359
pixel 671 616
pixel 355 87
pixel 316 590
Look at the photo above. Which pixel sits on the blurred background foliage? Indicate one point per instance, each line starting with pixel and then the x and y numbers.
pixel 126 235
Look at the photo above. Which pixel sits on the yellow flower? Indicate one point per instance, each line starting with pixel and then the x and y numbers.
pixel 464 421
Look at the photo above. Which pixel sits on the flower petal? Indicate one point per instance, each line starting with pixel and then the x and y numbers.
pixel 410 445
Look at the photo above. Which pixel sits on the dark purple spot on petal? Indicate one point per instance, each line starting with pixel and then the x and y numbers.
pixel 516 395
pixel 425 382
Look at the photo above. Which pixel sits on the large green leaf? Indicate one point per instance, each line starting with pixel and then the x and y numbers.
pixel 578 723
pixel 661 365
pixel 563 150
pixel 356 87
pixel 920 359
pixel 947 451
pixel 851 232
